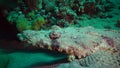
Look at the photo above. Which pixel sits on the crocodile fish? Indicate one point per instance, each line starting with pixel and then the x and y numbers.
pixel 76 42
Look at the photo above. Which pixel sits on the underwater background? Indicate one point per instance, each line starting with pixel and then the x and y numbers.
pixel 17 16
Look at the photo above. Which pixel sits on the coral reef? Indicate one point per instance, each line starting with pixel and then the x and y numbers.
pixel 78 43
pixel 38 23
pixel 33 4
pixel 86 47
pixel 22 24
pixel 118 23
pixel 58 12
